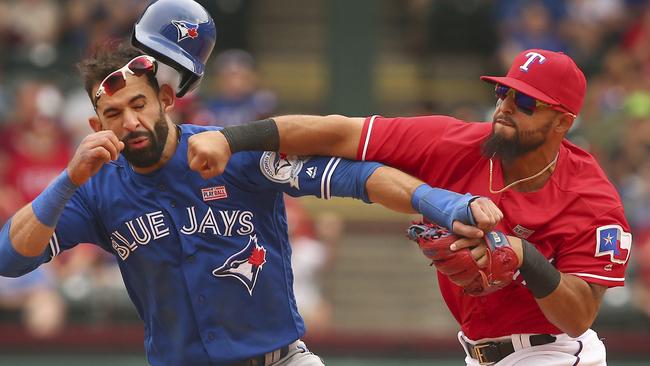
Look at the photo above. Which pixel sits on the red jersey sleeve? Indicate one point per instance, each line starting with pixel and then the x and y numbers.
pixel 599 253
pixel 415 143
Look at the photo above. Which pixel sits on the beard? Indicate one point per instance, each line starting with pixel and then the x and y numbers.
pixel 150 155
pixel 509 149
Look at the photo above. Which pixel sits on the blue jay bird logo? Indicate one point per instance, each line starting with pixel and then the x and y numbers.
pixel 186 29
pixel 282 168
pixel 244 265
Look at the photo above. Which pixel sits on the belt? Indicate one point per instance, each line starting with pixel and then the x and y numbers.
pixel 492 352
pixel 265 359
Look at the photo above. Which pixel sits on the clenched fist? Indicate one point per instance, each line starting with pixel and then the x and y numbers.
pixel 208 153
pixel 94 151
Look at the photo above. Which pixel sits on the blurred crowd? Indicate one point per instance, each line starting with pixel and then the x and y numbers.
pixel 44 112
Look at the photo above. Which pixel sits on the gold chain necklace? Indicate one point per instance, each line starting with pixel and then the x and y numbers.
pixel 520 180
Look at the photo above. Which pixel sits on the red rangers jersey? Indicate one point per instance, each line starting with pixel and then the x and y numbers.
pixel 576 219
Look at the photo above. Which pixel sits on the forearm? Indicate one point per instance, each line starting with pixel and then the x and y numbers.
pixel 393 189
pixel 33 225
pixel 571 307
pixel 567 301
pixel 28 235
pixel 28 252
pixel 332 135
pixel 401 192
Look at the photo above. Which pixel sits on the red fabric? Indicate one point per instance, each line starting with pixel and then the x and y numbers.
pixel 29 173
pixel 560 219
pixel 535 72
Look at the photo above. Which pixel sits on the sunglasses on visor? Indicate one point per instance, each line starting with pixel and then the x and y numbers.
pixel 524 102
pixel 117 79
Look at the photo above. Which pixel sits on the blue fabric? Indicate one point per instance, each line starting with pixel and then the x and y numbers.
pixel 349 180
pixel 49 205
pixel 442 206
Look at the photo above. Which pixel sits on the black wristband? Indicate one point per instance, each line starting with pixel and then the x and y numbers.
pixel 540 275
pixel 255 136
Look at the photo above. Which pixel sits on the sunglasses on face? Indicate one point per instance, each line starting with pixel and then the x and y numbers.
pixel 117 79
pixel 523 102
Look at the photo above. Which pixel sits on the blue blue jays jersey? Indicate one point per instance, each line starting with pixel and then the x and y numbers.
pixel 206 262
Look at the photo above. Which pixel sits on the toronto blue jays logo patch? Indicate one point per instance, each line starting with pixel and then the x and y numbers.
pixel 613 241
pixel 244 265
pixel 186 29
pixel 282 168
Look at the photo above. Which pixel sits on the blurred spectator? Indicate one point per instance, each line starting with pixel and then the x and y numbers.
pixel 34 297
pixel 329 230
pixel 636 40
pixel 238 99
pixel 76 111
pixel 619 76
pixel 31 27
pixel 591 27
pixel 533 27
pixel 309 258
pixel 91 282
pixel 36 148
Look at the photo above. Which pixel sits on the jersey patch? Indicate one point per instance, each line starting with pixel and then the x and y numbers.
pixel 613 241
pixel 282 168
pixel 522 232
pixel 244 265
pixel 214 193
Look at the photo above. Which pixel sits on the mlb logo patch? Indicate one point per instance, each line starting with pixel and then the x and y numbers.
pixel 613 241
pixel 214 193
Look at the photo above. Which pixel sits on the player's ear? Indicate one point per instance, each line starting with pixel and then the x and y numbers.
pixel 167 97
pixel 565 122
pixel 95 124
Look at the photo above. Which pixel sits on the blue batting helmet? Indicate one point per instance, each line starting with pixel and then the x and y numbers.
pixel 179 33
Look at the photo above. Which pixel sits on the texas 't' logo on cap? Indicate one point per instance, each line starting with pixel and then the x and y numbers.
pixel 244 265
pixel 186 29
pixel 551 77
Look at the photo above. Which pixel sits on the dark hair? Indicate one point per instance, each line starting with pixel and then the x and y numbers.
pixel 106 58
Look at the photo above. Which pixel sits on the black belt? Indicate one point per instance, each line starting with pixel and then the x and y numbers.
pixel 261 359
pixel 491 352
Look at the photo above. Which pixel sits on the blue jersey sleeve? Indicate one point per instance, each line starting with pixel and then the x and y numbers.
pixel 319 176
pixel 79 223
pixel 76 225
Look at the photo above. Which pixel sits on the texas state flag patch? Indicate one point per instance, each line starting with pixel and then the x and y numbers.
pixel 613 241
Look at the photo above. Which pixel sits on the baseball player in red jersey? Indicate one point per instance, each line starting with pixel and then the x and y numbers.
pixel 562 216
